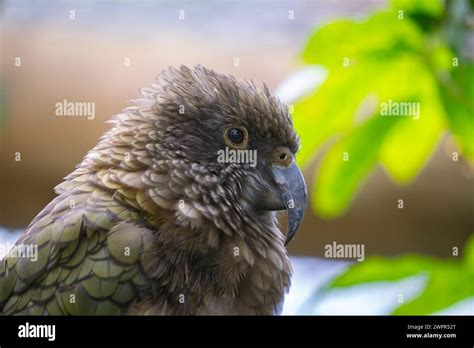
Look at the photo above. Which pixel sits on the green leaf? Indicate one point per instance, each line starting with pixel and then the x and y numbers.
pixel 458 97
pixel 321 115
pixel 386 58
pixel 331 109
pixel 447 284
pixel 432 8
pixel 380 37
pixel 401 143
pixel 376 269
pixel 411 142
pixel 469 255
pixel 448 281
pixel 347 163
pixel 440 57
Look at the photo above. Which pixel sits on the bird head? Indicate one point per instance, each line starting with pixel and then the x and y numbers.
pixel 221 151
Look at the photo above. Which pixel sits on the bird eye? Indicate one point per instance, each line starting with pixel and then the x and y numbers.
pixel 236 137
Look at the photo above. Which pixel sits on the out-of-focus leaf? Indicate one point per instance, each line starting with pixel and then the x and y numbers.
pixel 448 283
pixel 408 146
pixel 433 8
pixel 469 256
pixel 324 114
pixel 392 56
pixel 380 37
pixel 403 149
pixel 441 57
pixel 330 110
pixel 376 269
pixel 427 14
pixel 458 98
pixel 347 163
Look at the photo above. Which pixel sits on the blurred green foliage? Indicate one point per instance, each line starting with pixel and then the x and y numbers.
pixel 447 281
pixel 411 52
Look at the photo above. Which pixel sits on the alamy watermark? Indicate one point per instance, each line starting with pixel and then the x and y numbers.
pixel 344 251
pixel 28 330
pixel 237 156
pixel 393 108
pixel 28 251
pixel 79 109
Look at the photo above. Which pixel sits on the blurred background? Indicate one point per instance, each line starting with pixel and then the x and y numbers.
pixel 406 190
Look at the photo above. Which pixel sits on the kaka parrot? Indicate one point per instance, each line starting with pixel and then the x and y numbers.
pixel 155 220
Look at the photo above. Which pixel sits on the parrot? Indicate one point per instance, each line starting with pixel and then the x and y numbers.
pixel 156 221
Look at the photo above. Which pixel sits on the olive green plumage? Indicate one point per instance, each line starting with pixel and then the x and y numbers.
pixel 150 223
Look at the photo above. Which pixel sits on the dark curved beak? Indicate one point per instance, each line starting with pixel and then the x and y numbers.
pixel 290 194
pixel 293 192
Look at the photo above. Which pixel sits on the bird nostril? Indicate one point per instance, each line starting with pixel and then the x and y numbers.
pixel 282 156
